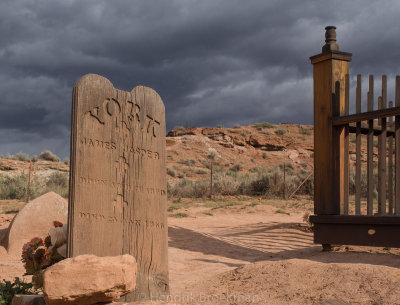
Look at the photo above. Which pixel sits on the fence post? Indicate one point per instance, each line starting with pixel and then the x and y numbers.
pixel 28 196
pixel 211 180
pixel 330 70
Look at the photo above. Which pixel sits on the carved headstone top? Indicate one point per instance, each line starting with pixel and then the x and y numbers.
pixel 330 40
pixel 118 196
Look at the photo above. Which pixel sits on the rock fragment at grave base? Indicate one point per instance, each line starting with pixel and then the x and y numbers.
pixel 20 299
pixel 88 279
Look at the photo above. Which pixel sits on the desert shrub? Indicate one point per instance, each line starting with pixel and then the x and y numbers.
pixel 263 125
pixel 236 168
pixel 16 187
pixel 201 171
pixel 280 131
pixel 58 182
pixel 206 163
pixel 269 183
pixel 21 157
pixel 211 156
pixel 364 181
pixel 48 156
pixel 189 189
pixel 264 155
pixel 18 156
pixel 178 128
pixel 237 126
pixel 220 126
pixel 225 185
pixel 170 172
pixel 305 131
pixel 188 162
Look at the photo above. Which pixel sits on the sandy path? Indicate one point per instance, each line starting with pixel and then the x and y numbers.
pixel 201 247
pixel 267 257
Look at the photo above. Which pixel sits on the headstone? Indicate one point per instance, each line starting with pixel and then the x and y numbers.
pixel 118 196
pixel 35 220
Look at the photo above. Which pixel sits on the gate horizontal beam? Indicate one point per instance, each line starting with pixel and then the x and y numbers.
pixel 377 231
pixel 365 116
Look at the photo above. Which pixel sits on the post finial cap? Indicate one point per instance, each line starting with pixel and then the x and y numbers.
pixel 330 40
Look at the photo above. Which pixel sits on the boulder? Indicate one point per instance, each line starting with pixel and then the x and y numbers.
pixel 35 220
pixel 89 279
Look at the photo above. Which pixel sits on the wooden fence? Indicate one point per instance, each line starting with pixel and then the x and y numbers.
pixel 372 215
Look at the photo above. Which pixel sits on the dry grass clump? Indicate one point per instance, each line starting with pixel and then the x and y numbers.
pixel 19 156
pixel 48 156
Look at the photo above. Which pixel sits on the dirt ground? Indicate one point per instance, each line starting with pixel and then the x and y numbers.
pixel 257 251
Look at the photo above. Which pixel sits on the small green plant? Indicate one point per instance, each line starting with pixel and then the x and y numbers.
pixel 48 156
pixel 243 134
pixel 264 155
pixel 237 126
pixel 280 131
pixel 8 289
pixel 179 128
pixel 12 211
pixel 220 126
pixel 178 200
pixel 208 213
pixel 180 215
pixel 172 208
pixel 279 211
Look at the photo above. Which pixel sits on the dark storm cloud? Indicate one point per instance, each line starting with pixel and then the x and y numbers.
pixel 213 62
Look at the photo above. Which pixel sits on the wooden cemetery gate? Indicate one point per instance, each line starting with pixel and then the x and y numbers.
pixel 372 216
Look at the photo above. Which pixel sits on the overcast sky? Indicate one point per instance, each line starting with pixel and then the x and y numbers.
pixel 212 61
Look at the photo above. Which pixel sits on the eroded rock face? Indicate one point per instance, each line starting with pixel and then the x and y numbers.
pixel 35 220
pixel 89 279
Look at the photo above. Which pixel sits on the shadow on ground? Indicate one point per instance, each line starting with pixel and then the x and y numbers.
pixel 271 241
